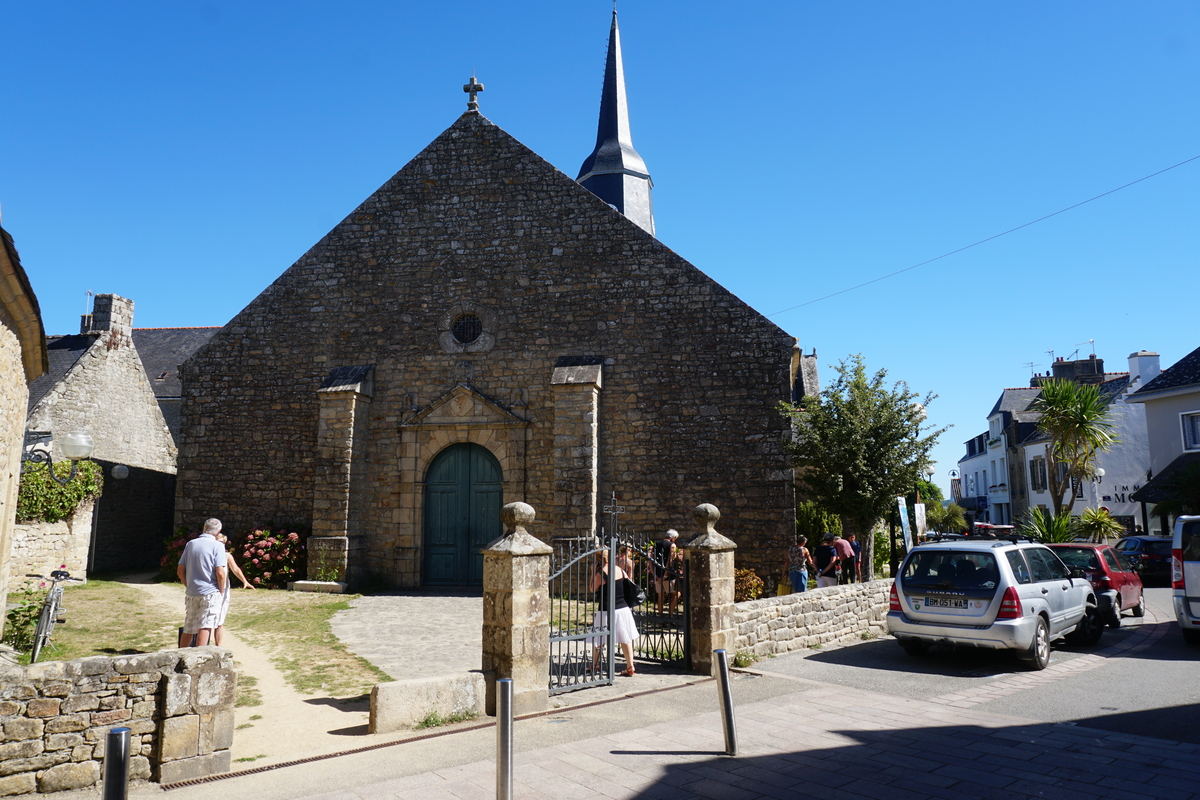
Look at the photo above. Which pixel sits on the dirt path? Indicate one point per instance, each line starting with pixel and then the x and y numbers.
pixel 286 725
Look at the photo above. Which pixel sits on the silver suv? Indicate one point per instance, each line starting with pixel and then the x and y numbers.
pixel 998 594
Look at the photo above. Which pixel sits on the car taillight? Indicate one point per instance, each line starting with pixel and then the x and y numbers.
pixel 1010 605
pixel 894 599
pixel 1100 581
pixel 1176 569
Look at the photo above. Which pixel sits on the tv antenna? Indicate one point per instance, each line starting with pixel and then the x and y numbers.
pixel 1031 365
pixel 1091 342
pixel 1051 352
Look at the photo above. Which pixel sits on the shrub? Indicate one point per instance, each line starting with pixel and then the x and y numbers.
pixel 174 546
pixel 41 499
pixel 1044 526
pixel 746 585
pixel 269 558
pixel 22 618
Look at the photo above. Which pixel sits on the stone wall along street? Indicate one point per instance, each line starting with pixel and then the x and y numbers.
pixel 774 625
pixel 54 716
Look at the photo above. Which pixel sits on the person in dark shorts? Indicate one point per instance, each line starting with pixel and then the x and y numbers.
pixel 827 562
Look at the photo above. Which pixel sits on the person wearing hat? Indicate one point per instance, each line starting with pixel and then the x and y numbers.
pixel 827 562
pixel 666 571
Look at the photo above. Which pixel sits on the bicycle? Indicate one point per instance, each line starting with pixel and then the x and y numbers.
pixel 53 611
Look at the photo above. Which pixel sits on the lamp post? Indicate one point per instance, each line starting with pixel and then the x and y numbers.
pixel 76 446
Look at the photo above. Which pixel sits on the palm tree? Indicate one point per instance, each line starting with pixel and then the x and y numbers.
pixel 1073 416
pixel 1098 525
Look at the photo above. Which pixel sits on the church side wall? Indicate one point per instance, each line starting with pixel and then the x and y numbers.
pixel 691 375
pixel 14 397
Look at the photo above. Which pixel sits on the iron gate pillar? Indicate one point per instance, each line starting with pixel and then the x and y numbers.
pixel 516 613
pixel 710 574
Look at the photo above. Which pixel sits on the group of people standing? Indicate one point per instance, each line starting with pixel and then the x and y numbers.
pixel 205 568
pixel 835 560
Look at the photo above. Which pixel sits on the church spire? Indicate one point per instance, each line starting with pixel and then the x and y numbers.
pixel 614 171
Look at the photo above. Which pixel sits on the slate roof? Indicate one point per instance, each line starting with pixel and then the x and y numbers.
pixel 1017 402
pixel 63 352
pixel 1183 373
pixel 162 350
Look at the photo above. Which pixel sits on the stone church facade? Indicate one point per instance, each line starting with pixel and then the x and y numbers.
pixel 483 330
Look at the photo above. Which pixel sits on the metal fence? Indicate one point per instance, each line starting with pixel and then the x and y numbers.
pixel 581 639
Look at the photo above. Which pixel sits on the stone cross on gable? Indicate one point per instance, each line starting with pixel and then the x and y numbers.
pixel 473 88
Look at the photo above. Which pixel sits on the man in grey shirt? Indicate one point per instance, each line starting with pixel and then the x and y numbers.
pixel 202 571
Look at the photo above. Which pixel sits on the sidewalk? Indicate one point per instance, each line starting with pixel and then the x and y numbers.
pixel 798 738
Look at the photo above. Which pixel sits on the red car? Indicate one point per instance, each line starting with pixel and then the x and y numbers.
pixel 1118 587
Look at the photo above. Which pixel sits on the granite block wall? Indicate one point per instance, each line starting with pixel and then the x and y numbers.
pixel 42 547
pixel 54 717
pixel 774 625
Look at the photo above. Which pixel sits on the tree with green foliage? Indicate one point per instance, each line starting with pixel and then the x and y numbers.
pixel 1044 526
pixel 858 446
pixel 1073 416
pixel 938 517
pixel 1098 525
pixel 813 522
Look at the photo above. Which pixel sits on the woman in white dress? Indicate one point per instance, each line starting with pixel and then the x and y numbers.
pixel 624 628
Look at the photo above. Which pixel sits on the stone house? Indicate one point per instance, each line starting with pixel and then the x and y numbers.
pixel 481 330
pixel 22 359
pixel 96 383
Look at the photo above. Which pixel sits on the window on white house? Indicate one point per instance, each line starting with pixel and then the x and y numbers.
pixel 1037 474
pixel 1191 431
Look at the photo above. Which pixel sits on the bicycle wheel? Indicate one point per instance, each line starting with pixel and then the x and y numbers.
pixel 45 626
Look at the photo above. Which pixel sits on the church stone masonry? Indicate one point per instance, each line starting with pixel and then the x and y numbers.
pixel 484 330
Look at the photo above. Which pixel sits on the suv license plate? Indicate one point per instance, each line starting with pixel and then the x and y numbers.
pixel 945 602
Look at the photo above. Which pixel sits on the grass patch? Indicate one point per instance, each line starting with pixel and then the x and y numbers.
pixel 256 716
pixel 293 627
pixel 434 720
pixel 106 618
pixel 744 658
pixel 248 759
pixel 247 692
pixel 865 635
pixel 243 726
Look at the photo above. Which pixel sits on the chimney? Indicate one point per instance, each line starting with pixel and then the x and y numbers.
pixel 110 312
pixel 1143 367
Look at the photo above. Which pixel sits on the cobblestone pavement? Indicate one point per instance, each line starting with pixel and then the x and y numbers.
pixel 414 634
pixel 427 634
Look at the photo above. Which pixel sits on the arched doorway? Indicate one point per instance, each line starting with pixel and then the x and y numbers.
pixel 463 494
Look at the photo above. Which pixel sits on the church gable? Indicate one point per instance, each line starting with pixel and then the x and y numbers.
pixel 468 280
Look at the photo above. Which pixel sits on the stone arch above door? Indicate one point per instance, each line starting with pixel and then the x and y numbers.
pixel 461 415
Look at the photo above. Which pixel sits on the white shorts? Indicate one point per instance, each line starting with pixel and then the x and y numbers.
pixel 826 580
pixel 201 612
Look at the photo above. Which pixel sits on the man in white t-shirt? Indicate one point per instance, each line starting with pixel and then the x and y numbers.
pixel 202 571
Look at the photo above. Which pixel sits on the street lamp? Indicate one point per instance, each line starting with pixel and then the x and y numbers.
pixel 75 445
pixel 1099 474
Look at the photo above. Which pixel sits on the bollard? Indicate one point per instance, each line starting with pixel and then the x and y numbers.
pixel 116 764
pixel 727 720
pixel 504 740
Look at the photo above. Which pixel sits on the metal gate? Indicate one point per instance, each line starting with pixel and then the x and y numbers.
pixel 581 640
pixel 662 621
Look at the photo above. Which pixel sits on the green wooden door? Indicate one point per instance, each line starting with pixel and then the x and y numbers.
pixel 463 495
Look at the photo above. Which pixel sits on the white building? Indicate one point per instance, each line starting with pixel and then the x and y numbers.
pixel 1013 452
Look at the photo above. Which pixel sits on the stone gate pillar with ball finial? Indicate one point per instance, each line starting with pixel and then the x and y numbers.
pixel 710 584
pixel 516 613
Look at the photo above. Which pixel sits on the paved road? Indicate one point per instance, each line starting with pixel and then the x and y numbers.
pixel 1141 678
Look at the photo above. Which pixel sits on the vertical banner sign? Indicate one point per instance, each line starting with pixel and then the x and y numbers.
pixel 903 508
pixel 919 515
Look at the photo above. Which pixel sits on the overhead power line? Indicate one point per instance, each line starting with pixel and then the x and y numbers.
pixel 984 241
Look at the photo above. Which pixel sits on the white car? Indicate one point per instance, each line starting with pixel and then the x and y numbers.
pixel 1185 576
pixel 1008 594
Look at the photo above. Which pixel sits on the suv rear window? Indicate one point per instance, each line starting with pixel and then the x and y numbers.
pixel 1162 548
pixel 945 569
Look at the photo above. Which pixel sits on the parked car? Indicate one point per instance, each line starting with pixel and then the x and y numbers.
pixel 1001 594
pixel 1118 587
pixel 1185 576
pixel 1150 557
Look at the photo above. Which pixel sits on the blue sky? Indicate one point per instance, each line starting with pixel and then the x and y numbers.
pixel 185 154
